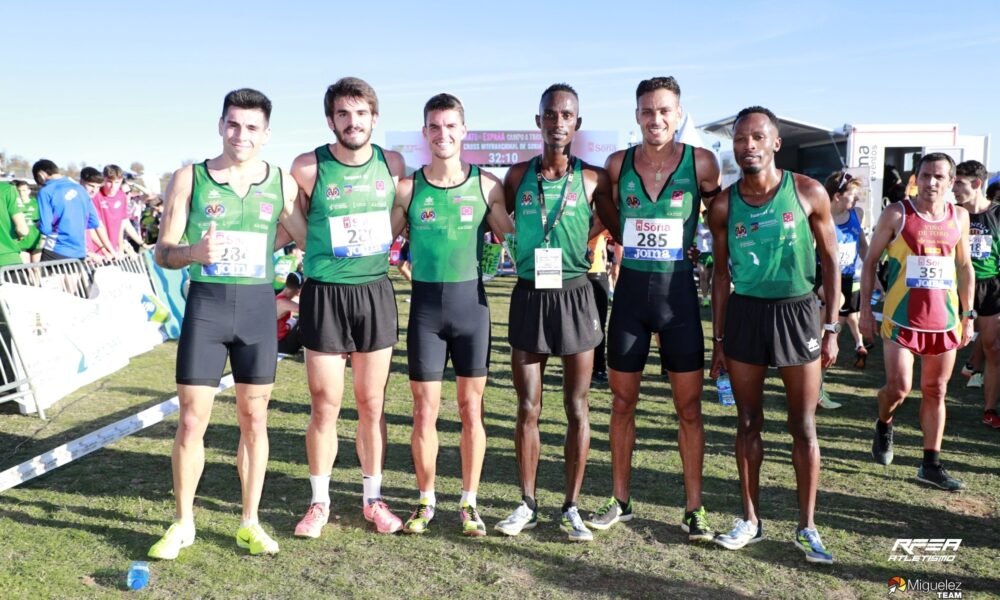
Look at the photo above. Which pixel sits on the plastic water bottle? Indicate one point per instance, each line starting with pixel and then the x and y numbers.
pixel 138 575
pixel 725 389
pixel 876 296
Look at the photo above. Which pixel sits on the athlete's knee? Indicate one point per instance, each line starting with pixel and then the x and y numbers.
pixel 624 406
pixel 252 418
pixel 470 411
pixel 934 391
pixel 802 428
pixel 191 427
pixel 577 411
pixel 897 388
pixel 750 421
pixel 689 412
pixel 425 415
pixel 325 411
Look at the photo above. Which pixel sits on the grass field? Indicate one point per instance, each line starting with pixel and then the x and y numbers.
pixel 72 532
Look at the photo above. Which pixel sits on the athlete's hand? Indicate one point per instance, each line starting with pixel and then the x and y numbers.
pixel 967 330
pixel 718 360
pixel 830 349
pixel 207 250
pixel 693 253
pixel 867 323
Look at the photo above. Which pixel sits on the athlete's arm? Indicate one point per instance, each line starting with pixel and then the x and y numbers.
pixel 290 218
pixel 401 205
pixel 821 223
pixel 510 183
pixel 397 166
pixel 169 252
pixel 862 238
pixel 597 186
pixel 281 237
pixel 886 229
pixel 607 207
pixel 496 205
pixel 20 225
pixel 718 219
pixel 966 276
pixel 709 178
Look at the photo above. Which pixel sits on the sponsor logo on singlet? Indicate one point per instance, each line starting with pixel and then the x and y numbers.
pixel 215 210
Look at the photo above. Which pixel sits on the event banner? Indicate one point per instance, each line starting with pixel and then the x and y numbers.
pixel 66 342
pixel 502 148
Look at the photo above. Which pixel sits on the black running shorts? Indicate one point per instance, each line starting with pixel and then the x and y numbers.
pixel 852 297
pixel 339 318
pixel 448 320
pixel 663 303
pixel 987 301
pixel 231 319
pixel 777 332
pixel 559 322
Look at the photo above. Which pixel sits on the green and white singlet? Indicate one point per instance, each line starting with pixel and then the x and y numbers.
pixel 771 246
pixel 446 229
pixel 245 226
pixel 569 233
pixel 349 234
pixel 656 232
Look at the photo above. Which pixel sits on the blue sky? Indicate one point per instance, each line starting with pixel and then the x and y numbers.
pixel 107 81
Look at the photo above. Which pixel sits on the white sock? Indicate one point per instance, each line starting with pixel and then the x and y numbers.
pixel 186 523
pixel 429 497
pixel 372 487
pixel 248 522
pixel 468 498
pixel 320 488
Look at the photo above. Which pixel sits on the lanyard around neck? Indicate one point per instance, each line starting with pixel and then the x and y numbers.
pixel 562 197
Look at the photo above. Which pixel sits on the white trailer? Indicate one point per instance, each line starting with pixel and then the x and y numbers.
pixel 869 151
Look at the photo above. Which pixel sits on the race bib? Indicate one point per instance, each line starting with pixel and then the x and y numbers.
pixel 548 268
pixel 654 239
pixel 847 254
pixel 244 254
pixel 930 272
pixel 363 234
pixel 980 246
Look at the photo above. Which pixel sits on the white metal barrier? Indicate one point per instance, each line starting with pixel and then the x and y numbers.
pixel 74 277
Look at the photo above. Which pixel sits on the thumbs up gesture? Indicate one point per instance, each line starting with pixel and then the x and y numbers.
pixel 208 250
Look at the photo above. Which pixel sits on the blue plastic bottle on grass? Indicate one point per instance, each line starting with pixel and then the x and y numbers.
pixel 725 389
pixel 138 575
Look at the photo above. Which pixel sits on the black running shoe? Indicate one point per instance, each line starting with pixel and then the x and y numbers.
pixel 882 445
pixel 936 475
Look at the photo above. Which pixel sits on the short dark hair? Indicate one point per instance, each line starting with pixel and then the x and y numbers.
pixel 44 166
pixel 294 280
pixel 350 87
pixel 559 87
pixel 19 182
pixel 937 157
pixel 993 192
pixel 444 101
pixel 973 168
pixel 760 110
pixel 247 98
pixel 91 175
pixel 657 83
